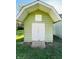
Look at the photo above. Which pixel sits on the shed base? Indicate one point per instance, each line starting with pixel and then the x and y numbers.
pixel 38 44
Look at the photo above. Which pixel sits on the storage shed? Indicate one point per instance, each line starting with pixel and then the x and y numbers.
pixel 38 18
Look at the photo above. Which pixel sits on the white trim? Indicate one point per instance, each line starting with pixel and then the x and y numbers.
pixel 25 8
pixel 51 8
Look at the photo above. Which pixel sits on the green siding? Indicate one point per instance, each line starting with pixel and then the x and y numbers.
pixel 31 19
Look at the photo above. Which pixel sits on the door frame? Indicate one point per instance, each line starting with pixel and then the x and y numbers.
pixel 39 28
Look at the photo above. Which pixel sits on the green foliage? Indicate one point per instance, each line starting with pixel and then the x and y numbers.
pixel 19 32
pixel 19 35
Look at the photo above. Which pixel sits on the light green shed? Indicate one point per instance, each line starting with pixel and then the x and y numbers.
pixel 38 18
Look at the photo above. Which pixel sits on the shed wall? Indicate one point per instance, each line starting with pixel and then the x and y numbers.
pixel 31 19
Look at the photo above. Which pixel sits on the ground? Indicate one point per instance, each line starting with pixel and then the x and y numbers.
pixel 53 51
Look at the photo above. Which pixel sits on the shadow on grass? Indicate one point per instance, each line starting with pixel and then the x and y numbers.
pixel 50 52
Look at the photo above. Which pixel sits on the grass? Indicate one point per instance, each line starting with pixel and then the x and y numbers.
pixel 26 52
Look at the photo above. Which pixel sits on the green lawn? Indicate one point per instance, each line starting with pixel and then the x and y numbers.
pixel 26 52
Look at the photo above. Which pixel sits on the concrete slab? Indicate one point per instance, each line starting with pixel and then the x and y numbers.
pixel 38 44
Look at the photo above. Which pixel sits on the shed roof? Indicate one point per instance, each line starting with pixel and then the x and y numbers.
pixel 38 5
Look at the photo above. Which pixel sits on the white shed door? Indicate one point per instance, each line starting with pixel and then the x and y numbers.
pixel 38 32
